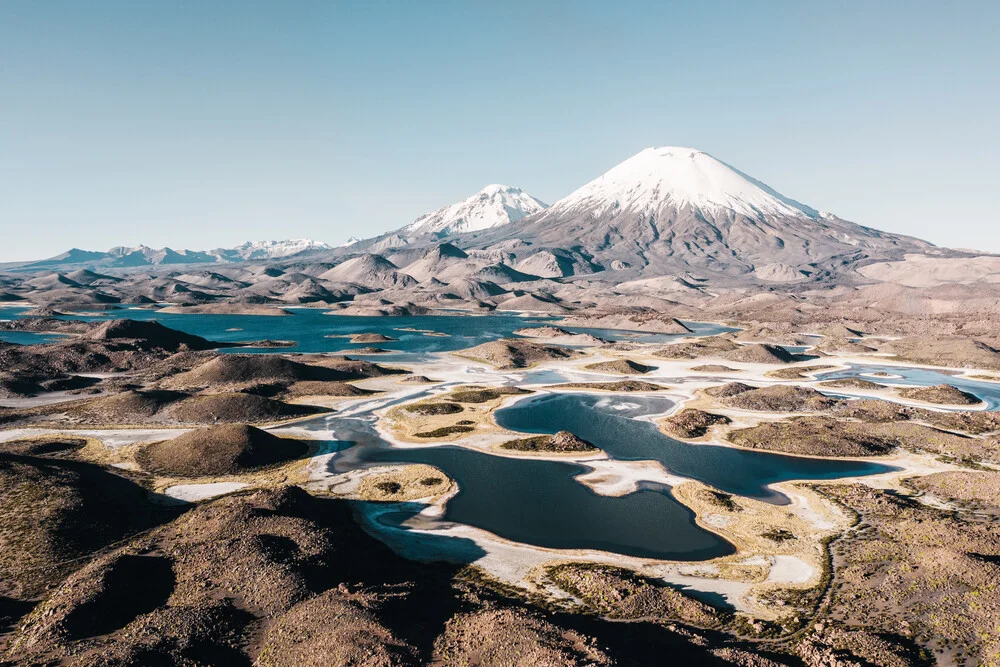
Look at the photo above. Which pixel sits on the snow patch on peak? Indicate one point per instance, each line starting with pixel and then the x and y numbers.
pixel 492 206
pixel 675 176
pixel 272 249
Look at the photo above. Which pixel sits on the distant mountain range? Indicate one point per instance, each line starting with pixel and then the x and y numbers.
pixel 666 211
pixel 125 257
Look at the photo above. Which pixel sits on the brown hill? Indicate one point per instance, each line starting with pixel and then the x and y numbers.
pixel 243 369
pixel 781 398
pixel 229 449
pixel 53 512
pixel 942 394
pixel 620 367
pixel 150 335
pixel 176 407
pixel 760 353
pixel 510 353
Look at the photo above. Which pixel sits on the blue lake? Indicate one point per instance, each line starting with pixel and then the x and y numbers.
pixel 314 331
pixel 540 503
pixel 988 392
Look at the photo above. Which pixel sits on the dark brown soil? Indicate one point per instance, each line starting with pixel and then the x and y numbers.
pixel 729 389
pixel 149 336
pixel 372 338
pixel 760 353
pixel 417 379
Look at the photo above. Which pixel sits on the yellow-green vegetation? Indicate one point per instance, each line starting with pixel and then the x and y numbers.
pixel 797 372
pixel 407 483
pixel 427 409
pixel 852 383
pixel 623 594
pixel 815 436
pixel 620 385
pixel 473 394
pixel 464 410
pixel 942 394
pixel 620 367
pixel 445 431
pixel 831 436
pixel 776 398
pixel 510 353
pixel 562 442
pixel 758 528
pixel 924 576
pixel 692 423
pixel 978 490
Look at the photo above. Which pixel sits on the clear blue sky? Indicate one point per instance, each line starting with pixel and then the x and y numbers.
pixel 205 123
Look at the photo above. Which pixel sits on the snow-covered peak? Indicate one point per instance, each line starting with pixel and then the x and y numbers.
pixel 272 249
pixel 350 241
pixel 492 206
pixel 674 176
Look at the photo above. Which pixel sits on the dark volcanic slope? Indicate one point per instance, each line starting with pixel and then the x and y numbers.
pixel 266 565
pixel 53 512
pixel 282 578
pixel 150 336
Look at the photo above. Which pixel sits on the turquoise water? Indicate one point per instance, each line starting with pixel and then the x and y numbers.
pixel 615 425
pixel 309 328
pixel 988 392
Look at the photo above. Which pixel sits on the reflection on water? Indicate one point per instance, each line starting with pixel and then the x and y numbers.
pixel 311 329
pixel 988 392
pixel 539 502
pixel 612 424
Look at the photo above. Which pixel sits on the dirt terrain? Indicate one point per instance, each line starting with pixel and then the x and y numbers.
pixel 103 566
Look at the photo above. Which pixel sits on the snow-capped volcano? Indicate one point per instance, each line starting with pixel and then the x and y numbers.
pixel 680 209
pixel 679 177
pixel 492 206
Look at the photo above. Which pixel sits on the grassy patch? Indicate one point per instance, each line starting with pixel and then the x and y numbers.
pixel 444 431
pixel 428 409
